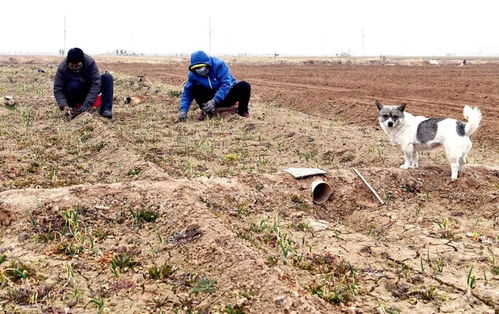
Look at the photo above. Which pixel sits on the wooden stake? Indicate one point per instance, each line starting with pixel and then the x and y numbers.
pixel 369 186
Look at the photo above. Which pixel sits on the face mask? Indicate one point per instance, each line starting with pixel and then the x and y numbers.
pixel 75 68
pixel 203 71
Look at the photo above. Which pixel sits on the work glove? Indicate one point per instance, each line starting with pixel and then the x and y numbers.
pixel 84 107
pixel 182 116
pixel 209 107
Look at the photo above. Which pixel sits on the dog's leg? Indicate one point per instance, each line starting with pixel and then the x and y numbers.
pixel 454 167
pixel 463 159
pixel 408 151
pixel 454 160
pixel 462 162
pixel 415 159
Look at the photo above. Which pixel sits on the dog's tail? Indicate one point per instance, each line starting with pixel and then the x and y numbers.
pixel 474 116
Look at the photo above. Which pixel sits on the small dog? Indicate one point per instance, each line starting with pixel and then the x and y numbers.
pixel 416 133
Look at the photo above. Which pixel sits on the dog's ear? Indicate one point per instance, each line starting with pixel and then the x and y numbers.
pixel 378 104
pixel 402 107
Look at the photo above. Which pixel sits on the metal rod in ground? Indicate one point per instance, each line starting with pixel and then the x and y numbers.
pixel 369 186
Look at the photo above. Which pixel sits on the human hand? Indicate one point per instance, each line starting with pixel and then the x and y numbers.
pixel 182 116
pixel 209 106
pixel 67 110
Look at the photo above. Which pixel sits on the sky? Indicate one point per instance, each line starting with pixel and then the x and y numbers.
pixel 253 27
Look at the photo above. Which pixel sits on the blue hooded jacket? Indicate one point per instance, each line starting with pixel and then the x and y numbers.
pixel 219 79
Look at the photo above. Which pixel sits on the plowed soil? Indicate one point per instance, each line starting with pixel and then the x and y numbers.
pixel 347 91
pixel 140 214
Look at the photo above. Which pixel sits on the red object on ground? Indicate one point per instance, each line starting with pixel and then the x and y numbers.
pixel 96 104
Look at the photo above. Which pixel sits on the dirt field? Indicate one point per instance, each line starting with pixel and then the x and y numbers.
pixel 141 214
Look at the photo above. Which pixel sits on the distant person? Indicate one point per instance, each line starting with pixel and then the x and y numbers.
pixel 211 85
pixel 78 83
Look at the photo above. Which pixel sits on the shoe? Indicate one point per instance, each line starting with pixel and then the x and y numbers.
pixel 201 116
pixel 245 114
pixel 107 114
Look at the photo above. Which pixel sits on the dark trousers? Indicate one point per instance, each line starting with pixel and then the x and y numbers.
pixel 238 93
pixel 76 92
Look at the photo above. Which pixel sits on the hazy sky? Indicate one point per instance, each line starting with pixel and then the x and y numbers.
pixel 312 27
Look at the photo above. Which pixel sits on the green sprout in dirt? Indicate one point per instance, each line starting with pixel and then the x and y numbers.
pixel 339 284
pixel 299 202
pixel 3 258
pixel 101 234
pixel 174 93
pixel 134 172
pixel 3 279
pixel 242 210
pixel 71 221
pixel 99 302
pixel 144 215
pixel 470 280
pixel 230 158
pixel 443 224
pixel 338 294
pixel 205 285
pixel 429 294
pixel 99 146
pixel 229 309
pixel 271 261
pixel 162 272
pixel 18 270
pixel 300 226
pixel 70 248
pixel 121 263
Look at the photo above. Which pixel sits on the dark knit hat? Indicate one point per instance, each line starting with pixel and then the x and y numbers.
pixel 75 55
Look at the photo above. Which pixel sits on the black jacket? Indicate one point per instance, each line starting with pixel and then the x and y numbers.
pixel 89 75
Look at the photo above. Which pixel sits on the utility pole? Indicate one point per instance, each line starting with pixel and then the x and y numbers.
pixel 209 35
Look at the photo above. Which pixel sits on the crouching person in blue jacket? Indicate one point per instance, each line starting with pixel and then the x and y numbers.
pixel 79 86
pixel 211 85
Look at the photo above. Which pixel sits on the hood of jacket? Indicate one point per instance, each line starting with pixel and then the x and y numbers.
pixel 200 57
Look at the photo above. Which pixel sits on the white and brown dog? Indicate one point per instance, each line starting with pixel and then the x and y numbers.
pixel 415 133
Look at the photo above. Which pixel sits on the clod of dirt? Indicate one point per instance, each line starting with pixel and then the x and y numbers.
pixel 9 101
pixel 185 235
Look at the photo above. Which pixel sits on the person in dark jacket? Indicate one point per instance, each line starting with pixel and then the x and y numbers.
pixel 211 85
pixel 78 82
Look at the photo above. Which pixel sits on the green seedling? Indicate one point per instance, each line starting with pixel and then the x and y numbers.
pixel 421 264
pixel 99 146
pixel 204 285
pixel 99 302
pixel 70 248
pixel 144 215
pixel 242 210
pixel 71 221
pixel 122 263
pixel 17 271
pixel 163 272
pixel 470 280
pixel 134 172
pixel 229 309
pixel 443 224
pixel 101 234
pixel 272 261
pixel 174 93
pixel 3 258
